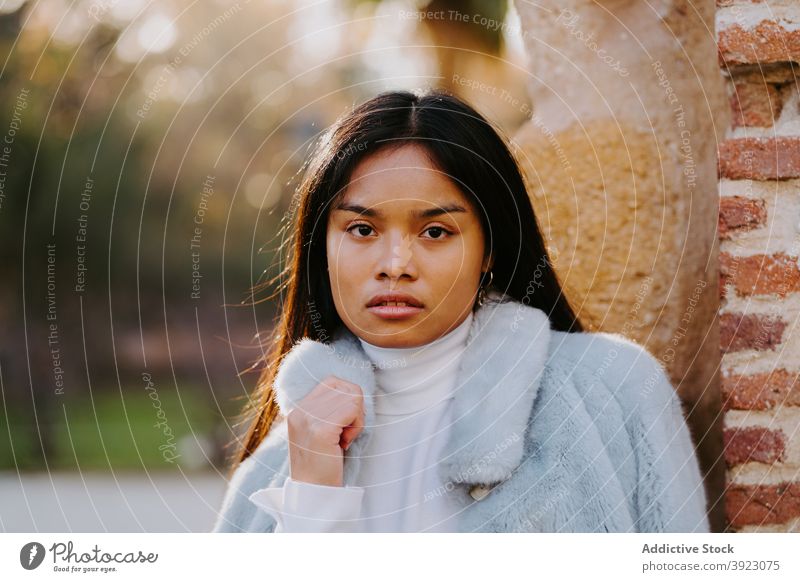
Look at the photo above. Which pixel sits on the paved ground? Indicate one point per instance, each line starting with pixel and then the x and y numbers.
pixel 99 502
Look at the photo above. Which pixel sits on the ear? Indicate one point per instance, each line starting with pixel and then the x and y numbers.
pixel 488 263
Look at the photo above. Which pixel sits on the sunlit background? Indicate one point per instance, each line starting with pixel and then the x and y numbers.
pixel 151 152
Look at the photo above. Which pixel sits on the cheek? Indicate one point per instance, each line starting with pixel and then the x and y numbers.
pixel 333 255
pixel 343 262
pixel 462 263
pixel 334 251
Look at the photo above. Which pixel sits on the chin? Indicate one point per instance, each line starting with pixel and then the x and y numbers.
pixel 393 341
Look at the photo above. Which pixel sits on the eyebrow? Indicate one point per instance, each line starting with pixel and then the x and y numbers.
pixel 428 213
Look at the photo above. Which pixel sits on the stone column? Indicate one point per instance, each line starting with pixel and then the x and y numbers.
pixel 620 152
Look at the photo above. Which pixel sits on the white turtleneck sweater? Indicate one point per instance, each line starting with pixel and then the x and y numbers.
pixel 398 488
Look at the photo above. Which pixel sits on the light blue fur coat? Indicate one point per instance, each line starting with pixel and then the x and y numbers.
pixel 570 432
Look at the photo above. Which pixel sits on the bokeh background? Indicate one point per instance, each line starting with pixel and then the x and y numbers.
pixel 150 156
pixel 149 153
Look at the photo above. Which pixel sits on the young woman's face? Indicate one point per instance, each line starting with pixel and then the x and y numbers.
pixel 401 226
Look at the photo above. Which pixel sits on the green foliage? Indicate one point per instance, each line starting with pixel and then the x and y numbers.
pixel 110 430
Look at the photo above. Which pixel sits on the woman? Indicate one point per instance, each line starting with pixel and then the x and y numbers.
pixel 428 373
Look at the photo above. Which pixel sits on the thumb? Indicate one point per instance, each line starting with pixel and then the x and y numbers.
pixel 350 432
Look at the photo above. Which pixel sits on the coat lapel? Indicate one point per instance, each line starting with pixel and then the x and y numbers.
pixel 497 382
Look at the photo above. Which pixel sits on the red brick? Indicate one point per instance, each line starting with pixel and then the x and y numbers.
pixel 766 42
pixel 758 158
pixel 737 213
pixel 728 266
pixel 753 443
pixel 772 73
pixel 750 331
pixel 755 104
pixel 776 274
pixel 761 391
pixel 762 504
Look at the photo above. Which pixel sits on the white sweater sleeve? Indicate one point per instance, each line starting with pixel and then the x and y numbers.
pixel 300 507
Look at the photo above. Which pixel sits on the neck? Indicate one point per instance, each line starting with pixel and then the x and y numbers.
pixel 414 379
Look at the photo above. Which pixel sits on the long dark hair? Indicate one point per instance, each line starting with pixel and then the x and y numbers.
pixel 463 145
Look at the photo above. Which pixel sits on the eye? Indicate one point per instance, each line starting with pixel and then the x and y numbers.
pixel 438 230
pixel 364 230
pixel 361 228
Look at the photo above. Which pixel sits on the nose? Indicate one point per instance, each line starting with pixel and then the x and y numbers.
pixel 397 257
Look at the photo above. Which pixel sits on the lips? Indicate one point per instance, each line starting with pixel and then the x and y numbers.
pixel 395 311
pixel 394 300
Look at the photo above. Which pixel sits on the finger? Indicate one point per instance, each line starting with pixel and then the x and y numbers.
pixel 350 432
pixel 325 404
pixel 324 400
pixel 333 415
pixel 335 383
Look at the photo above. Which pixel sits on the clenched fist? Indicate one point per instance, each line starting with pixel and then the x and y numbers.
pixel 321 427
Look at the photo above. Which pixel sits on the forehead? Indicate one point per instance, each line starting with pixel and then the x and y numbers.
pixel 404 175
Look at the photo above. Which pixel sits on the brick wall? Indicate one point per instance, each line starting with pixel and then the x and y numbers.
pixel 759 232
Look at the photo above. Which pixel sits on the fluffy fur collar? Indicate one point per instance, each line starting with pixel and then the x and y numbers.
pixel 497 383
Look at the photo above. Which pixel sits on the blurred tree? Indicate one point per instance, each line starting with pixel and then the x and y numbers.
pixel 129 109
pixel 462 27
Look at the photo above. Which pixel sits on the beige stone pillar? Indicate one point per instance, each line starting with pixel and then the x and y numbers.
pixel 620 152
